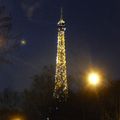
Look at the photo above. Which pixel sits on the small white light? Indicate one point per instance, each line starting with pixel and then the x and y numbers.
pixel 23 42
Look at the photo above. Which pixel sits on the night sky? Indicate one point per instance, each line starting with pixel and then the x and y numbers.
pixel 92 37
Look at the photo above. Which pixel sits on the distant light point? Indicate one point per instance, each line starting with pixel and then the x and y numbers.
pixel 23 42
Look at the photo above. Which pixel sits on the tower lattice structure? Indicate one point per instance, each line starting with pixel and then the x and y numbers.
pixel 61 86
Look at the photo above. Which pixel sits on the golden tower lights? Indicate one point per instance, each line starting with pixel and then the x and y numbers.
pixel 61 86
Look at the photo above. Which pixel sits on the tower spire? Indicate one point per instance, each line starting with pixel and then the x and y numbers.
pixel 61 17
pixel 61 22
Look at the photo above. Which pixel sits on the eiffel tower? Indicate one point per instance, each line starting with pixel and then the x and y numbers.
pixel 61 86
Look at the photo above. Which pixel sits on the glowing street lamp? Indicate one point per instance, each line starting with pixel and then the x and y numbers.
pixel 94 78
pixel 17 117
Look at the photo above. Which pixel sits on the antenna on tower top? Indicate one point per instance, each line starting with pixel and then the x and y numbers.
pixel 61 22
pixel 61 13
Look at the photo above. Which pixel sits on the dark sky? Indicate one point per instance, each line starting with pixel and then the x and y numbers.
pixel 92 37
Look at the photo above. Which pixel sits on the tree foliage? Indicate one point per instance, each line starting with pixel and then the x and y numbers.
pixel 38 98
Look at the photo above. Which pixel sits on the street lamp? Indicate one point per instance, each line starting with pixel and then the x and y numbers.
pixel 93 78
pixel 17 117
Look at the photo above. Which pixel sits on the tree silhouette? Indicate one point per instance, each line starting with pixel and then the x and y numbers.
pixel 38 98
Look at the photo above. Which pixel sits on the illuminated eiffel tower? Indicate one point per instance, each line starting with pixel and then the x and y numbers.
pixel 61 86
